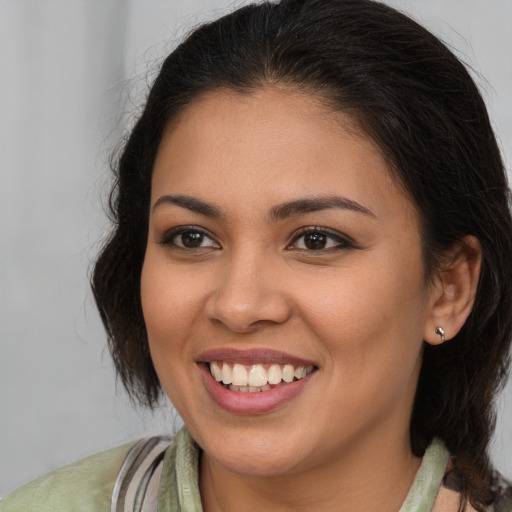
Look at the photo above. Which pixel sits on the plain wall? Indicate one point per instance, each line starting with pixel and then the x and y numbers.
pixel 72 74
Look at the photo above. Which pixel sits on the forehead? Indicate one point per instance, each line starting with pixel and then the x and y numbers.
pixel 265 115
pixel 274 144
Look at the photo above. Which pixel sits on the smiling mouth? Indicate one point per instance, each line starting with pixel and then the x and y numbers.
pixel 257 377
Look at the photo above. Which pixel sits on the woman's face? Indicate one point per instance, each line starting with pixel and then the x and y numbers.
pixel 280 248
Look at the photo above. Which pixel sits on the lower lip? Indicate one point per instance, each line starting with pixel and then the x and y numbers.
pixel 252 403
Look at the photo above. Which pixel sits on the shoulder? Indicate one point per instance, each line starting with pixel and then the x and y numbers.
pixel 449 496
pixel 504 501
pixel 85 486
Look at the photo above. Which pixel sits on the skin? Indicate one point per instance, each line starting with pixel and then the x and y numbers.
pixel 359 309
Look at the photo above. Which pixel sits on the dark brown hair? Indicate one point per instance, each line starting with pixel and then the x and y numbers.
pixel 418 102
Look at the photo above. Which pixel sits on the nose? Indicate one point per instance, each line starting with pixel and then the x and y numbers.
pixel 249 292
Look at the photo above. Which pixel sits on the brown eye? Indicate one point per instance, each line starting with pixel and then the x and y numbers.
pixel 188 238
pixel 191 239
pixel 315 241
pixel 318 240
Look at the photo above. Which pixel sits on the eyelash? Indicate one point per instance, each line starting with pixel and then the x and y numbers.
pixel 168 238
pixel 341 242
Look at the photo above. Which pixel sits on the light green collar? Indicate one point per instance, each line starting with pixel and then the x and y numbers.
pixel 428 479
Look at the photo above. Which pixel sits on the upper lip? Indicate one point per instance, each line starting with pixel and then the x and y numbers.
pixel 252 356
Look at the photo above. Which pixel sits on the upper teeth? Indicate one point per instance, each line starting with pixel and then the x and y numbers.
pixel 256 375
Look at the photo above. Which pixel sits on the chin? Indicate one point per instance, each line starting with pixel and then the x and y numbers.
pixel 256 463
pixel 245 451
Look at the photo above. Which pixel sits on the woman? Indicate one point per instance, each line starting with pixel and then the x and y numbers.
pixel 311 258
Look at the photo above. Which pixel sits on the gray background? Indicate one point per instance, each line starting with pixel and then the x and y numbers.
pixel 72 73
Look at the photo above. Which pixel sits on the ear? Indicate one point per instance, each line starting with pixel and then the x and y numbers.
pixel 455 290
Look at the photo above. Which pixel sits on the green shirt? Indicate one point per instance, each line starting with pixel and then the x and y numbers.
pixel 88 485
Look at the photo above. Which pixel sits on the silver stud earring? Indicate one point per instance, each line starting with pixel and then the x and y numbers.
pixel 440 332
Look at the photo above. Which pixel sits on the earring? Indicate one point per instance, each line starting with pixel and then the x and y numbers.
pixel 440 332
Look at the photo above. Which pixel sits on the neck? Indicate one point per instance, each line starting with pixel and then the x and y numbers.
pixel 371 476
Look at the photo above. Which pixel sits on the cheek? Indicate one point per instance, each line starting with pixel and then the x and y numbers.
pixel 169 302
pixel 168 314
pixel 370 316
pixel 371 332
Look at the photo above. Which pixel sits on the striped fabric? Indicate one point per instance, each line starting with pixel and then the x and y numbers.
pixel 137 485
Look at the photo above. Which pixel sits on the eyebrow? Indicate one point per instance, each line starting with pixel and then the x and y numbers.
pixel 191 203
pixel 276 213
pixel 315 204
